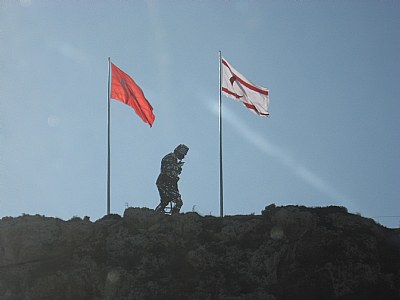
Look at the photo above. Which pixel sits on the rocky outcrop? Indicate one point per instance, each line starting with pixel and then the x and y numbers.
pixel 286 252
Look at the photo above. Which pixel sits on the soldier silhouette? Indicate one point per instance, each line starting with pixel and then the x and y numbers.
pixel 167 181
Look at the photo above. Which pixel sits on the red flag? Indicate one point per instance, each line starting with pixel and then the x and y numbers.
pixel 124 89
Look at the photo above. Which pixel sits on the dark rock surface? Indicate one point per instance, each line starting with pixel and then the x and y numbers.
pixel 289 252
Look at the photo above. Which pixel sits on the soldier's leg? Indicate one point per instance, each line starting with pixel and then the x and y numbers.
pixel 178 204
pixel 164 199
pixel 160 207
pixel 177 199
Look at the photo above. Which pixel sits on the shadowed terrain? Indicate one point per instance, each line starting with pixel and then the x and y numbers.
pixel 289 252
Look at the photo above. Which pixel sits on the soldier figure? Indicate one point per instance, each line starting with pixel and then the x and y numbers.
pixel 167 181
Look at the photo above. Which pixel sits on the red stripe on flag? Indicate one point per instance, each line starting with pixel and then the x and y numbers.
pixel 231 93
pixel 252 87
pixel 254 108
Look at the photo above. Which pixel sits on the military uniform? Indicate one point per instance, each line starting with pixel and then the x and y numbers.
pixel 167 181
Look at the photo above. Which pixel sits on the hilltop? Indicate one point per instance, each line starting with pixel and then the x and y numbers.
pixel 289 252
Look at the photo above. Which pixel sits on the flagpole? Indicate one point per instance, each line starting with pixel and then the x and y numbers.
pixel 221 186
pixel 108 138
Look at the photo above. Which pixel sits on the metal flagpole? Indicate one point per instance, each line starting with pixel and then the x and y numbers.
pixel 108 137
pixel 221 186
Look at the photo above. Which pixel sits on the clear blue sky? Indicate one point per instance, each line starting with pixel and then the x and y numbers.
pixel 333 138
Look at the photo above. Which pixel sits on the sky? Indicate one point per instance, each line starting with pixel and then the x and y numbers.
pixel 332 138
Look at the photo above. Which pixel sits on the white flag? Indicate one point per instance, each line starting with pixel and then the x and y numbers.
pixel 234 85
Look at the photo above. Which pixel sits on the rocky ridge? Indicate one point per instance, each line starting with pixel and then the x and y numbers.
pixel 289 252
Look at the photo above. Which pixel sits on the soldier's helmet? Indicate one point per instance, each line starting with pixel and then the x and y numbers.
pixel 181 150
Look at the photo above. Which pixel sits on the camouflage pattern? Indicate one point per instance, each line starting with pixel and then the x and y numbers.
pixel 171 167
pixel 167 183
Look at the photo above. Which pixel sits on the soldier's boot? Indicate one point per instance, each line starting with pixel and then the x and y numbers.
pixel 175 210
